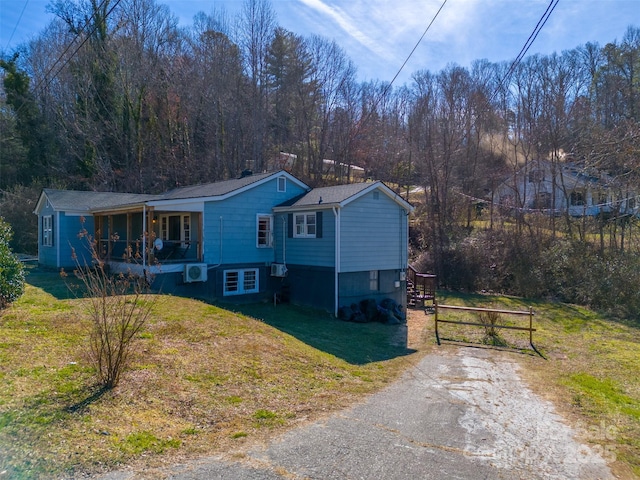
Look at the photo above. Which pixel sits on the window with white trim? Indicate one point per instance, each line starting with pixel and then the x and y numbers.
pixel 47 230
pixel 304 225
pixel 282 184
pixel 264 231
pixel 374 284
pixel 175 228
pixel 240 282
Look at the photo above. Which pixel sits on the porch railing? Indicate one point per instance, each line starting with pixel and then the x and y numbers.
pixel 421 288
pixel 171 252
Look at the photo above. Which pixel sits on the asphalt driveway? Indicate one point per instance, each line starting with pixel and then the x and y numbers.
pixel 463 413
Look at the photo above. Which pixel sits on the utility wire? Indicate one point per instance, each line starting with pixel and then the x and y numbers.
pixel 95 27
pixel 525 48
pixel 47 78
pixel 416 46
pixel 384 93
pixel 17 23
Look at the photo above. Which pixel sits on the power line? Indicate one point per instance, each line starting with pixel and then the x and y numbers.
pixel 525 48
pixel 17 23
pixel 388 87
pixel 95 27
pixel 46 80
pixel 417 44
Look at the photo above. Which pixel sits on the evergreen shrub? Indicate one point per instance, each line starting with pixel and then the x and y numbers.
pixel 11 269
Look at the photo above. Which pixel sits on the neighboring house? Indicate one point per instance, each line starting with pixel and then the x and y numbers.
pixel 561 187
pixel 242 239
pixel 342 170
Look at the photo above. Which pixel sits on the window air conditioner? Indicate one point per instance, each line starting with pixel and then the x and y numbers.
pixel 195 272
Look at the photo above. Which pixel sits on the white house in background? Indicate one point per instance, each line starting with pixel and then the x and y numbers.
pixel 331 167
pixel 563 187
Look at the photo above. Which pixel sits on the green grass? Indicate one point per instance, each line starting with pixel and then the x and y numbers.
pixel 202 378
pixel 140 442
pixel 607 394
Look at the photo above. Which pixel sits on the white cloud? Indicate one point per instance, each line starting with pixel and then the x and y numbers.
pixel 345 20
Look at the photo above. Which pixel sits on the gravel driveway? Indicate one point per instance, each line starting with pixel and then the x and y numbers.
pixel 463 413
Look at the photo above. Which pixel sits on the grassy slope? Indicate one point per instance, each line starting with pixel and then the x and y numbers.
pixel 206 379
pixel 203 379
pixel 590 371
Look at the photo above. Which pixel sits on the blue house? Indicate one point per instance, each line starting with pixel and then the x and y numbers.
pixel 247 239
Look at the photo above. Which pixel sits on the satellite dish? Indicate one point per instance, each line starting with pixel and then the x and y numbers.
pixel 157 244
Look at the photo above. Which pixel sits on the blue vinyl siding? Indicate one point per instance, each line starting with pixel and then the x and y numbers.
pixel 239 227
pixel 65 238
pixel 317 252
pixel 70 226
pixel 373 234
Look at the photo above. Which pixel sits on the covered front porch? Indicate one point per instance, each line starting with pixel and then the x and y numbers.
pixel 147 237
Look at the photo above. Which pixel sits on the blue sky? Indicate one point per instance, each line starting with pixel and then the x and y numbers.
pixel 379 34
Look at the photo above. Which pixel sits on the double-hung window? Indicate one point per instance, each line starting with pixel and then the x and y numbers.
pixel 304 225
pixel 240 282
pixel 47 231
pixel 265 231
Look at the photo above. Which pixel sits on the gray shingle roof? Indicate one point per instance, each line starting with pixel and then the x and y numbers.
pixel 85 201
pixel 329 195
pixel 212 189
pixel 73 200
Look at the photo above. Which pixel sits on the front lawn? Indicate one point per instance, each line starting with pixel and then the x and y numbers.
pixel 204 379
pixel 207 379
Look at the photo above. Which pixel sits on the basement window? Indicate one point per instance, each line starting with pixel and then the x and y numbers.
pixel 374 283
pixel 240 282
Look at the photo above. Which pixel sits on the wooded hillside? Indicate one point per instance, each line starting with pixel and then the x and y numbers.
pixel 113 95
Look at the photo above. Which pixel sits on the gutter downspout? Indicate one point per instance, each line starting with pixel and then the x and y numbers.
pixel 56 231
pixel 284 241
pixel 144 239
pixel 336 214
pixel 211 267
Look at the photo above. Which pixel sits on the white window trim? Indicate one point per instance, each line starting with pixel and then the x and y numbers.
pixel 305 233
pixel 185 227
pixel 241 283
pixel 282 184
pixel 374 280
pixel 269 239
pixel 47 231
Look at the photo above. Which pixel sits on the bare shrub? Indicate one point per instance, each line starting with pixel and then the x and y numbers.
pixel 118 308
pixel 491 319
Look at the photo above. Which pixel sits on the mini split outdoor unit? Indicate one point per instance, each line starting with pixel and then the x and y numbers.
pixel 195 272
pixel 278 270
